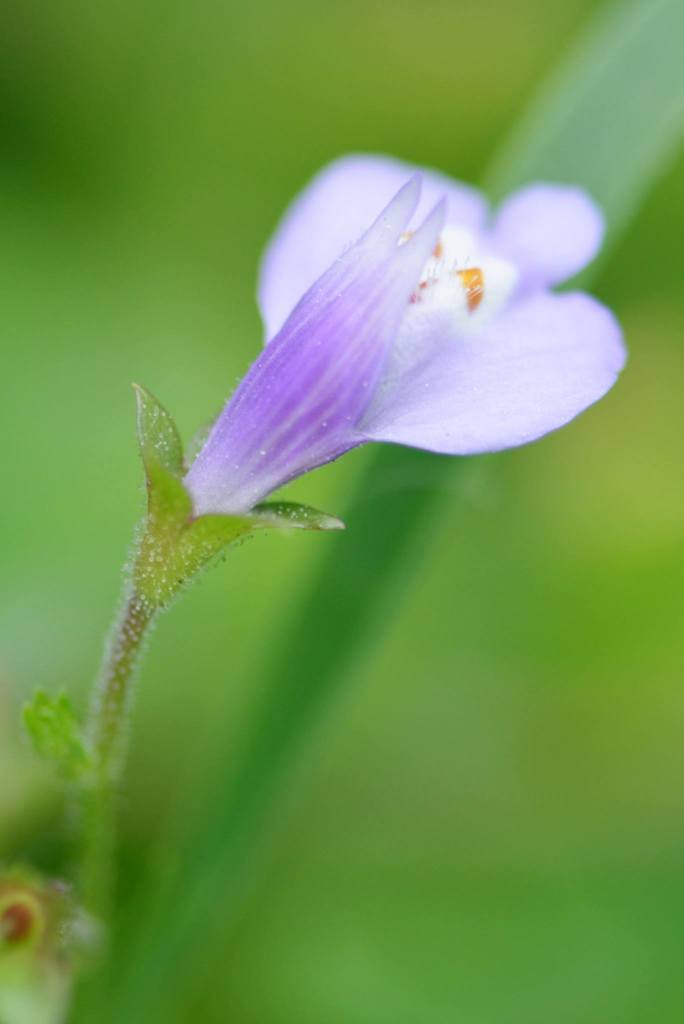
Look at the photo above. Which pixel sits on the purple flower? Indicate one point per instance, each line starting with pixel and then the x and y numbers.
pixel 436 329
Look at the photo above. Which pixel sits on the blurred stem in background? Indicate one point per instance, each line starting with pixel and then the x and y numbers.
pixel 609 120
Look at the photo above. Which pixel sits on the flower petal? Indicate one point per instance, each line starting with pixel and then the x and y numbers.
pixel 549 232
pixel 332 211
pixel 299 404
pixel 530 372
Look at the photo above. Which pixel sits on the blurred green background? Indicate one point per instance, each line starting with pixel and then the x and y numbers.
pixel 489 827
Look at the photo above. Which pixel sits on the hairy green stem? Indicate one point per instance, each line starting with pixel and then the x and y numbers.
pixel 107 731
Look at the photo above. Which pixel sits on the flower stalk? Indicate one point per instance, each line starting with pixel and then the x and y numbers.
pixel 107 731
pixel 113 694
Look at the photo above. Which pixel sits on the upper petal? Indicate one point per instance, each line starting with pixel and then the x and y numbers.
pixel 531 371
pixel 332 211
pixel 549 231
pixel 299 404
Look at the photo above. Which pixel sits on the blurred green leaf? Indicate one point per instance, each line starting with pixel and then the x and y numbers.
pixel 611 116
pixel 610 120
pixel 55 733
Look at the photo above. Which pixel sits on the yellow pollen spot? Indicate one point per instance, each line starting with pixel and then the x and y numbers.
pixel 472 280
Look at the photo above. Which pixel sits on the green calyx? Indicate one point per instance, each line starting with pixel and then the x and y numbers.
pixel 176 545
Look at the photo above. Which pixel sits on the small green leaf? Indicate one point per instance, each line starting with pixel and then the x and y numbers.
pixel 55 733
pixel 160 443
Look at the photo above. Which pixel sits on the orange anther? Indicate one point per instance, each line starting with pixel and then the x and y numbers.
pixel 472 280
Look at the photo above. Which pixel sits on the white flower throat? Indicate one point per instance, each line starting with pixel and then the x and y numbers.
pixel 462 280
